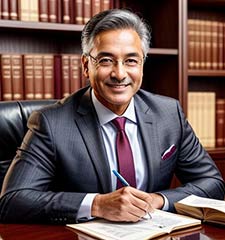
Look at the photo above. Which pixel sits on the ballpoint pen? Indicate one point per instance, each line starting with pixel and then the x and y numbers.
pixel 125 183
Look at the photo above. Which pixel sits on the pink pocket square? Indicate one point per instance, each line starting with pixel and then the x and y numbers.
pixel 169 152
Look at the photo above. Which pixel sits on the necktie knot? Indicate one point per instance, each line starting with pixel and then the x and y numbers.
pixel 119 123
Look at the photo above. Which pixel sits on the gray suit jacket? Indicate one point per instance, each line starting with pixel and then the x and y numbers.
pixel 62 158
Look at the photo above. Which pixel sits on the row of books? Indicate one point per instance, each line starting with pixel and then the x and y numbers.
pixel 55 11
pixel 39 76
pixel 206 114
pixel 206 43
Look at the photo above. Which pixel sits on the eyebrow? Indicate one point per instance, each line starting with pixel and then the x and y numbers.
pixel 108 54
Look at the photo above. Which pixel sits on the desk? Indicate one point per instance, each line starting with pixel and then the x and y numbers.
pixel 48 232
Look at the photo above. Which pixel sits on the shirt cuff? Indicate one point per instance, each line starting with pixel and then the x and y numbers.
pixel 84 212
pixel 166 203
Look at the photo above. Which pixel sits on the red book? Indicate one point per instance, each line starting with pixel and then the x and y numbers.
pixel 66 11
pixel 58 76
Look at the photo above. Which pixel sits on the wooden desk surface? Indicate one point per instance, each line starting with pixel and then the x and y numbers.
pixel 47 232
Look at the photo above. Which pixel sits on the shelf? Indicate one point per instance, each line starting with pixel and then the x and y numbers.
pixel 163 51
pixel 206 73
pixel 40 26
pixel 216 153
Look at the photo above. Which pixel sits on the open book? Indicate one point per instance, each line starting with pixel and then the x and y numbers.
pixel 161 223
pixel 206 209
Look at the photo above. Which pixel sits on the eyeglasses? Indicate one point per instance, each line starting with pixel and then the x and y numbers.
pixel 106 61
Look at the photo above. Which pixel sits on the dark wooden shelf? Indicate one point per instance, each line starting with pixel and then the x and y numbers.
pixel 206 73
pixel 40 26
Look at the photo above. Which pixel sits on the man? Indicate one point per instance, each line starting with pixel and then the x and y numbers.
pixel 62 172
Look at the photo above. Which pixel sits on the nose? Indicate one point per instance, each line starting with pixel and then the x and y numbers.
pixel 119 71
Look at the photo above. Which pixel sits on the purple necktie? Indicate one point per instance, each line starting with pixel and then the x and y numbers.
pixel 124 153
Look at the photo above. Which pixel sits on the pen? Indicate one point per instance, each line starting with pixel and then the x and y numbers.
pixel 125 183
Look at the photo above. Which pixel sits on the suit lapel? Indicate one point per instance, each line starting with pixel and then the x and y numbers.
pixel 148 130
pixel 89 126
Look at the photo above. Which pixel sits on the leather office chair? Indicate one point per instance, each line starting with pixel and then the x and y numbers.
pixel 13 126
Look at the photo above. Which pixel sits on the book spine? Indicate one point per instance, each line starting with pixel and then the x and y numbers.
pixel 105 5
pixel 208 44
pixel 24 10
pixel 53 11
pixel 6 77
pixel 66 16
pixel 95 7
pixel 220 118
pixel 65 75
pixel 214 40
pixel 58 75
pixel 220 45
pixel 34 11
pixel 43 10
pixel 75 72
pixel 202 61
pixel 17 77
pixel 38 77
pixel 28 76
pixel 5 9
pixel 13 10
pixel 86 10
pixel 78 12
pixel 191 42
pixel 48 70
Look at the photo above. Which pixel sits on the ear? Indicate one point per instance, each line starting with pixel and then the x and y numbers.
pixel 84 61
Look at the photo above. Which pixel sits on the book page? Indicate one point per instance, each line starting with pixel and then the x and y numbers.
pixel 196 201
pixel 161 223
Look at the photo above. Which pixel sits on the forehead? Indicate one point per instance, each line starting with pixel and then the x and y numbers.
pixel 120 41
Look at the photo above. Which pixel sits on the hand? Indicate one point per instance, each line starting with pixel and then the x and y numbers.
pixel 126 204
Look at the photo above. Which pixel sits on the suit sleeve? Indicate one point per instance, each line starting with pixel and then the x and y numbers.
pixel 27 192
pixel 195 169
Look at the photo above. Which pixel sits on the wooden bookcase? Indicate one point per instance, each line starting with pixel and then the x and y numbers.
pixel 166 69
pixel 199 79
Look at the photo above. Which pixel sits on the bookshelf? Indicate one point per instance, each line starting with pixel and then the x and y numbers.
pixel 166 69
pixel 203 63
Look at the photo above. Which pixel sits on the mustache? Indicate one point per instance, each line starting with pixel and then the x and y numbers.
pixel 116 81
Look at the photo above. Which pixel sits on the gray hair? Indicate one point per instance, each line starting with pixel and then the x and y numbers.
pixel 114 19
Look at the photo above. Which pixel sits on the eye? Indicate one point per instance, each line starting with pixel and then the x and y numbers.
pixel 105 61
pixel 132 61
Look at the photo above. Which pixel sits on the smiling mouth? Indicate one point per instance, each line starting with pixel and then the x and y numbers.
pixel 118 85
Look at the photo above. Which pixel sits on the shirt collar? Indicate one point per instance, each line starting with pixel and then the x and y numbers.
pixel 105 115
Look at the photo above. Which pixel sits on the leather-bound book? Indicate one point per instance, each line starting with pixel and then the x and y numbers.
pixel 13 10
pixel 6 77
pixel 75 78
pixel 220 122
pixel 17 77
pixel 214 40
pixel 86 10
pixel 66 11
pixel 105 4
pixel 34 10
pixel 48 73
pixel 28 66
pixel 43 10
pixel 78 12
pixel 38 77
pixel 95 7
pixel 24 10
pixel 53 11
pixel 65 75
pixel 5 9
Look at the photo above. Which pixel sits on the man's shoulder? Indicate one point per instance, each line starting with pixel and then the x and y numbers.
pixel 152 98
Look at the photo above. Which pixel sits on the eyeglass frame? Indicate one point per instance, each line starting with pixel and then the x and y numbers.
pixel 114 62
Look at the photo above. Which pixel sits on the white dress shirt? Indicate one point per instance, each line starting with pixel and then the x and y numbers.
pixel 109 132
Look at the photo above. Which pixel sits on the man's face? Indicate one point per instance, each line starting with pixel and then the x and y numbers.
pixel 115 68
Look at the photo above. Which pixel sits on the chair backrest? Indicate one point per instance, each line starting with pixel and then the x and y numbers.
pixel 13 126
